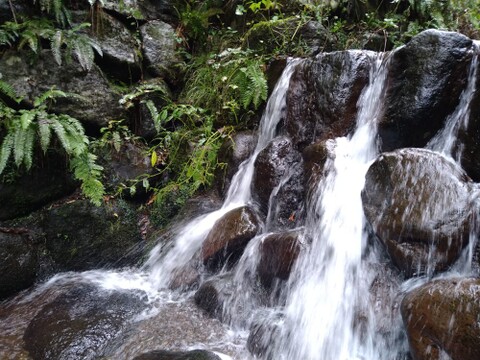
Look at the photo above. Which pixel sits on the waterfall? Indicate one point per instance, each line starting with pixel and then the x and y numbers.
pixel 446 140
pixel 189 240
pixel 327 281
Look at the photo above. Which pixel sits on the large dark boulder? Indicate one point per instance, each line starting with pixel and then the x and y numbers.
pixel 323 94
pixel 441 317
pixel 165 10
pixel 94 103
pixel 272 165
pixel 278 253
pixel 229 236
pixel 232 153
pixel 79 323
pixel 178 355
pixel 48 180
pixel 426 78
pixel 81 236
pixel 421 206
pixel 18 261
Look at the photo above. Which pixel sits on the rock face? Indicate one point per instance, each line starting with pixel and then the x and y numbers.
pixel 120 49
pixel 442 317
pixel 18 261
pixel 229 236
pixel 159 49
pixel 278 253
pixel 426 78
pixel 94 104
pixel 78 323
pixel 421 206
pixel 81 236
pixel 322 97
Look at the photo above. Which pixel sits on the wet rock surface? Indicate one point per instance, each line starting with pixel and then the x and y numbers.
pixel 213 295
pixel 278 253
pixel 272 165
pixel 78 323
pixel 322 97
pixel 442 317
pixel 178 355
pixel 421 206
pixel 426 78
pixel 229 237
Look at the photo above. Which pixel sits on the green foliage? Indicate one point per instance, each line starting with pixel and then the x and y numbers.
pixel 194 19
pixel 26 128
pixel 237 78
pixel 63 42
pixel 56 8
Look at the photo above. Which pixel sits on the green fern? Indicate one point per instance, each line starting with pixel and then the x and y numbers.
pixel 24 128
pixel 57 9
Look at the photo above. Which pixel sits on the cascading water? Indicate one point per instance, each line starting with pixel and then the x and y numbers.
pixel 445 141
pixel 327 282
pixel 189 240
pixel 326 309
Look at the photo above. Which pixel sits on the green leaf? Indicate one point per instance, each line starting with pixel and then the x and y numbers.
pixel 153 158
pixel 26 118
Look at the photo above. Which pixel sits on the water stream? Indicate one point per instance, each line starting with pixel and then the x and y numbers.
pixel 325 310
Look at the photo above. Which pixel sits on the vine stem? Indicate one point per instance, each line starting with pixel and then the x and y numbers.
pixel 12 9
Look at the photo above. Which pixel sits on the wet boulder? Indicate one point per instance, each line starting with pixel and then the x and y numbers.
pixel 79 323
pixel 441 318
pixel 94 103
pixel 18 261
pixel 159 47
pixel 232 153
pixel 213 295
pixel 229 236
pixel 82 236
pixel 278 252
pixel 265 332
pixel 322 96
pixel 178 355
pixel 426 78
pixel 272 165
pixel 421 206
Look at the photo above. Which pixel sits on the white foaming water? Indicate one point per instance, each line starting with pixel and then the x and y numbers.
pixel 327 279
pixel 444 142
pixel 189 240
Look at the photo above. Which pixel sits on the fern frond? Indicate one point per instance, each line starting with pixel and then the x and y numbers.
pixel 20 137
pixel 56 45
pixel 83 52
pixel 88 172
pixel 258 85
pixel 61 135
pixel 26 118
pixel 6 150
pixel 49 94
pixel 8 91
pixel 44 132
pixel 28 147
